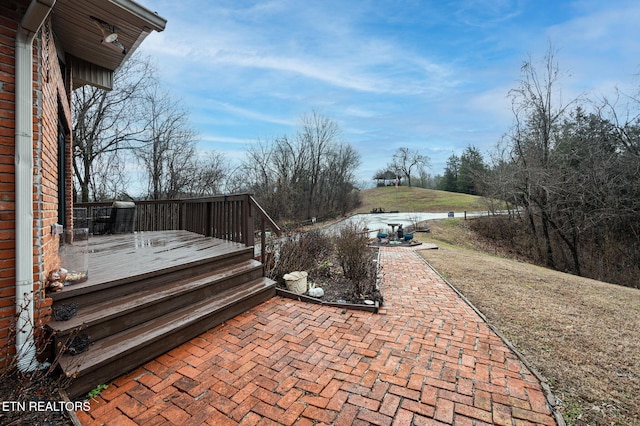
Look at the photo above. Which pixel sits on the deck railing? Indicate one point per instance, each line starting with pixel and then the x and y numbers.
pixel 228 217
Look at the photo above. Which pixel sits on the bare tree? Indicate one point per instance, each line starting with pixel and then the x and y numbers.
pixel 110 177
pixel 310 175
pixel 538 111
pixel 169 148
pixel 405 160
pixel 318 140
pixel 573 175
pixel 106 122
pixel 338 177
pixel 211 172
pixel 624 113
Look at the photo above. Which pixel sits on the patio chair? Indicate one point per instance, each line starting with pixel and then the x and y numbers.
pixel 124 215
pixel 101 220
pixel 117 219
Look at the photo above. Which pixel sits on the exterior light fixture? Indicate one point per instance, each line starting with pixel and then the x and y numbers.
pixel 109 35
pixel 111 38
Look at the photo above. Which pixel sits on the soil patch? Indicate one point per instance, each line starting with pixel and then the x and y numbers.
pixel 338 289
pixel 34 390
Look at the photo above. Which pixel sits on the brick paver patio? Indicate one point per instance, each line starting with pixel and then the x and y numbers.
pixel 427 358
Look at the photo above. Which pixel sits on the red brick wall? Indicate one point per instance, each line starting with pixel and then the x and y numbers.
pixel 53 100
pixel 50 96
pixel 8 27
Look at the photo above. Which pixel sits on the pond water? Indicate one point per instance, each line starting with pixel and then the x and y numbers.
pixel 377 221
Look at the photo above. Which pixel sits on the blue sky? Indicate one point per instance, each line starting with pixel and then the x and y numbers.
pixel 431 75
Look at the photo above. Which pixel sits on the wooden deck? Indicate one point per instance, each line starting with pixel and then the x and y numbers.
pixel 122 258
pixel 145 252
pixel 149 292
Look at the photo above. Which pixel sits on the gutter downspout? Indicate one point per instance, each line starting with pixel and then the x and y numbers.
pixel 32 20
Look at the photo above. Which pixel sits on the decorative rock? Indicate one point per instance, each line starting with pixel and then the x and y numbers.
pixel 56 286
pixel 316 292
pixel 62 273
pixel 65 312
pixel 79 344
pixel 369 302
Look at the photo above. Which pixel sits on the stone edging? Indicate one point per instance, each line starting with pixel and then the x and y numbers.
pixel 301 297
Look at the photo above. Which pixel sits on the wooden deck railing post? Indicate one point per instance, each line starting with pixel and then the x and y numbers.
pixel 263 241
pixel 225 220
pixel 208 221
pixel 248 218
pixel 181 214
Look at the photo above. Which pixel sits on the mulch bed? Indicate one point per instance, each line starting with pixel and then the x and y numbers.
pixel 339 291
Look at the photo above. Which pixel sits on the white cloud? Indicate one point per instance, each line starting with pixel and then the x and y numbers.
pixel 333 54
pixel 487 13
pixel 247 113
pixel 225 139
pixel 426 73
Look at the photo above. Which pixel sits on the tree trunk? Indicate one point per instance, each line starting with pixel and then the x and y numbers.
pixel 549 249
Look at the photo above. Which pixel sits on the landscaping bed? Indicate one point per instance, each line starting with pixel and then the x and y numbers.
pixel 340 291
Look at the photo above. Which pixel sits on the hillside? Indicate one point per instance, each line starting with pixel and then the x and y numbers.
pixel 407 199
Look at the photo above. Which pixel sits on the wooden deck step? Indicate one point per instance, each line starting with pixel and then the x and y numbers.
pixel 119 353
pixel 146 294
pixel 121 312
pixel 145 274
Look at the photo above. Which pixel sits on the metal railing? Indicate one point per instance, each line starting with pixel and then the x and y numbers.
pixel 228 217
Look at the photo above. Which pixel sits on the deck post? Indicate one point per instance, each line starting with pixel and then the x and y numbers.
pixel 248 221
pixel 181 213
pixel 208 231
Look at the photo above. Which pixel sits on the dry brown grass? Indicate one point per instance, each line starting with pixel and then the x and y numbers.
pixel 582 335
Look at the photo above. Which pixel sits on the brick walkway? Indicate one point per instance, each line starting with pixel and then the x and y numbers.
pixel 427 358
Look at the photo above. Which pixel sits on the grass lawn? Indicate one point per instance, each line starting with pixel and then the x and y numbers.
pixel 407 199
